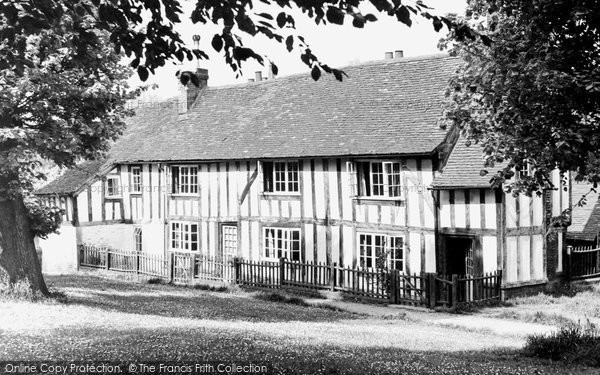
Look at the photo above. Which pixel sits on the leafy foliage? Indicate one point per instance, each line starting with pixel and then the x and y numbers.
pixel 63 90
pixel 43 220
pixel 531 94
pixel 143 30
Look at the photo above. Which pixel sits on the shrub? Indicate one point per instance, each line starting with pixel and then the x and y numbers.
pixel 278 297
pixel 572 344
pixel 212 288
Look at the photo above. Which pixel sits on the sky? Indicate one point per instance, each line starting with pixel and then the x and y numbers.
pixel 334 45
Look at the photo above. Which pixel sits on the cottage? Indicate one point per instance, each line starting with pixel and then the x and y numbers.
pixel 334 172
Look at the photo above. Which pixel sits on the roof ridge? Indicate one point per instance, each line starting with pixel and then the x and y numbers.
pixel 402 60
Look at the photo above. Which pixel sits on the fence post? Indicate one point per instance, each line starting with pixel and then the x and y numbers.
pixel 431 289
pixel 79 250
pixel 499 284
pixel 107 258
pixel 332 276
pixel 454 291
pixel 568 265
pixel 236 270
pixel 393 286
pixel 281 271
pixel 170 264
pixel 191 269
pixel 137 262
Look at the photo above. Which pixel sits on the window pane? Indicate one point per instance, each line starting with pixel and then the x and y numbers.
pixel 394 180
pixel 377 185
pixel 292 176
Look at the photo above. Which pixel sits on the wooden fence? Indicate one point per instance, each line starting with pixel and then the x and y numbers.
pixel 583 262
pixel 390 286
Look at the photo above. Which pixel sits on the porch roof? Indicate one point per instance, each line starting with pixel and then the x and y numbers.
pixel 464 168
pixel 72 180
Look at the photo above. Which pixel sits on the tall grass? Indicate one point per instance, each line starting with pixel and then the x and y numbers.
pixel 572 344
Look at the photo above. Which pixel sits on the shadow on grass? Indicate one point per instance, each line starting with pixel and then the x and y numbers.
pixel 182 302
pixel 280 355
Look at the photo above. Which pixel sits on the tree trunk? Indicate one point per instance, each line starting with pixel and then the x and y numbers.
pixel 18 257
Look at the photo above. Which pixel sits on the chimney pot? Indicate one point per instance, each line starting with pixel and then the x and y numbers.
pixel 258 76
pixel 389 55
pixel 399 54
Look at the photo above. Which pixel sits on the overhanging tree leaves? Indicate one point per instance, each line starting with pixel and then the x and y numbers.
pixel 62 98
pixel 532 96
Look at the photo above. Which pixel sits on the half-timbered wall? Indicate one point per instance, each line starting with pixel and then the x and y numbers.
pixel 509 232
pixel 326 212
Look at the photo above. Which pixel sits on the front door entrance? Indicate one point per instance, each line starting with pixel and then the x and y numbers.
pixel 229 242
pixel 459 256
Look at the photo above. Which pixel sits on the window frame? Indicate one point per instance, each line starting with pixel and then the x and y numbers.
pixel 181 240
pixel 286 242
pixel 138 242
pixel 391 255
pixel 291 177
pixel 380 179
pixel 115 194
pixel 525 171
pixel 134 190
pixel 192 180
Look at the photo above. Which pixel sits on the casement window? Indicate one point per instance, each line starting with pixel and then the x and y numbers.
pixel 137 239
pixel 136 179
pixel 377 179
pixel 184 236
pixel 524 171
pixel 282 243
pixel 280 177
pixel 380 250
pixel 184 179
pixel 112 187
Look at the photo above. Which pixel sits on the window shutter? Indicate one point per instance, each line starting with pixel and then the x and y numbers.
pixel 267 171
pixel 352 178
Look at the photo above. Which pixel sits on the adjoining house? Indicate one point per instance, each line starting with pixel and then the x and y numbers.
pixel 585 217
pixel 325 171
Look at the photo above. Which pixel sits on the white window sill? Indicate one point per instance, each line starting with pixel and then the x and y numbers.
pixel 383 200
pixel 281 193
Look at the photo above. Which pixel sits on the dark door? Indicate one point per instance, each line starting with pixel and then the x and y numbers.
pixel 459 256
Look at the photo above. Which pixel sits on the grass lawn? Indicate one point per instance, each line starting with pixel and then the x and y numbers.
pixel 112 320
pixel 556 310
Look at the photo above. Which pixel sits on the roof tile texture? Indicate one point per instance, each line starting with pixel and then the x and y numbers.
pixel 381 108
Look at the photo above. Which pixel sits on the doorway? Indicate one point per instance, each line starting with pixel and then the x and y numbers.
pixel 459 256
pixel 229 241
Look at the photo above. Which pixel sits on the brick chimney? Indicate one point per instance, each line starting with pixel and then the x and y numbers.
pixel 189 92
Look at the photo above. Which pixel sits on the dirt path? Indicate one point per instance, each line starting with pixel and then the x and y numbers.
pixel 470 322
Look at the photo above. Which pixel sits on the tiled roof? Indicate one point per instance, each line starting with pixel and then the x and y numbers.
pixel 585 220
pixel 75 178
pixel 382 108
pixel 463 168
